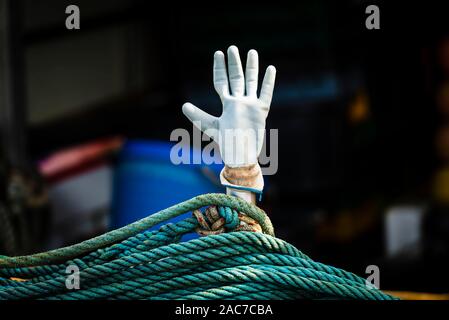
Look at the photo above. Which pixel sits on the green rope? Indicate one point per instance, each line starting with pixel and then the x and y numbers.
pixel 133 263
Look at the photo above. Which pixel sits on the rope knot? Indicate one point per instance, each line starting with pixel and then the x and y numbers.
pixel 217 220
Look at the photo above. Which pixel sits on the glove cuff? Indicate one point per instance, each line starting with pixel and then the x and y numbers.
pixel 248 178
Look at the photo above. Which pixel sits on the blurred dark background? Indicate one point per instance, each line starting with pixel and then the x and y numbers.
pixel 362 116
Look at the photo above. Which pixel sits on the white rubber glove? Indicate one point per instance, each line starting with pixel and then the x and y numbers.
pixel 239 131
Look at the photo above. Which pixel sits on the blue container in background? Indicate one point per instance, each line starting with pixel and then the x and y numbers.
pixel 146 181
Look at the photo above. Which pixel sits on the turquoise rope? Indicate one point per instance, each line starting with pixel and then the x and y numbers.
pixel 132 263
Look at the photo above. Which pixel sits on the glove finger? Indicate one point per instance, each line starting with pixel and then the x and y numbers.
pixel 236 78
pixel 266 91
pixel 252 72
pixel 199 118
pixel 220 75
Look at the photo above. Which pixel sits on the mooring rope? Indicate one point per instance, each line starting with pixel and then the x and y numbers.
pixel 238 257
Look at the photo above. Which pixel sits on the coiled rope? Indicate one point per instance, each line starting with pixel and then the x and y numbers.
pixel 237 258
